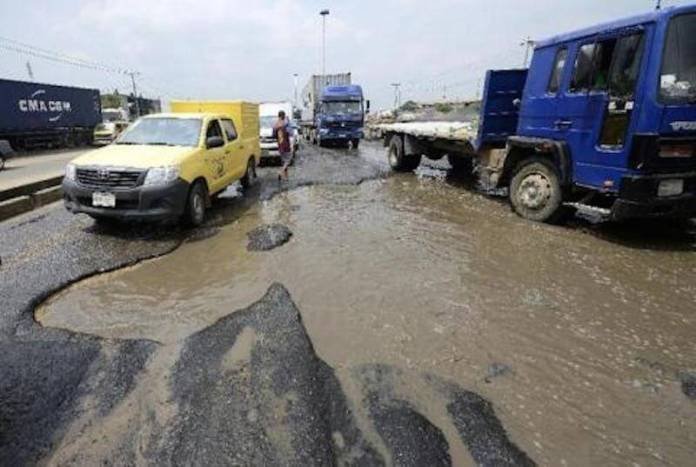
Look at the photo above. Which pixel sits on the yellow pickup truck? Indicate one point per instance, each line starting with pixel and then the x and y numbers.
pixel 168 166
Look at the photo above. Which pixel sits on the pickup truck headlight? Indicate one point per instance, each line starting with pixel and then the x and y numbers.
pixel 71 172
pixel 159 176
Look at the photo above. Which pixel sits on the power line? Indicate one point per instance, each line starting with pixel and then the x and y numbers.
pixel 58 57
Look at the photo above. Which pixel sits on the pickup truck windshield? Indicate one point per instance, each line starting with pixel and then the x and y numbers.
pixel 341 107
pixel 678 78
pixel 163 132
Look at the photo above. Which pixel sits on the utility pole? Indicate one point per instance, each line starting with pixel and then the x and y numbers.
pixel 397 95
pixel 30 71
pixel 295 78
pixel 132 75
pixel 528 43
pixel 324 14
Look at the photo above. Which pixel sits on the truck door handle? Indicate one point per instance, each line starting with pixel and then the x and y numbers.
pixel 228 152
pixel 241 147
pixel 563 124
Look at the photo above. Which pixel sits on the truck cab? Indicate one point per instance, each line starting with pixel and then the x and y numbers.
pixel 341 116
pixel 607 121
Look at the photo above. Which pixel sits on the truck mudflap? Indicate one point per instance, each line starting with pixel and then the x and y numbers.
pixel 640 197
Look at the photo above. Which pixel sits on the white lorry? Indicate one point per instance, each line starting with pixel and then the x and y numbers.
pixel 268 115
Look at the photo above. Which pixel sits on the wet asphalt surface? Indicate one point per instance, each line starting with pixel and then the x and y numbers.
pixel 247 390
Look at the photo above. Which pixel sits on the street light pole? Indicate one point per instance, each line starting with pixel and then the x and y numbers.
pixel 295 77
pixel 324 14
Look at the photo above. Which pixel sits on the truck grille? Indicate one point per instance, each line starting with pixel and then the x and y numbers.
pixel 343 125
pixel 109 178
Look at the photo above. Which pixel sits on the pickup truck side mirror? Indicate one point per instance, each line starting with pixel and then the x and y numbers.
pixel 517 103
pixel 214 142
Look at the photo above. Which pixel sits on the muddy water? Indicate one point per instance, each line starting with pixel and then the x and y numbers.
pixel 428 277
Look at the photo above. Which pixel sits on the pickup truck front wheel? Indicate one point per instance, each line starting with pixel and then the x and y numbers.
pixel 398 160
pixel 535 191
pixel 195 205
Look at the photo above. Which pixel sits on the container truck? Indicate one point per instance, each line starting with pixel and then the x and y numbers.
pixel 334 110
pixel 44 115
pixel 603 122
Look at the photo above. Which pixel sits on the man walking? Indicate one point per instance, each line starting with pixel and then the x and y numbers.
pixel 281 133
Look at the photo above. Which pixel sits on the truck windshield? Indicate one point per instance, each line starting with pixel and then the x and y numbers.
pixel 268 121
pixel 678 78
pixel 342 107
pixel 164 132
pixel 105 127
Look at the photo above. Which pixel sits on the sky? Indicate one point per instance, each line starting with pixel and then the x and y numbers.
pixel 241 49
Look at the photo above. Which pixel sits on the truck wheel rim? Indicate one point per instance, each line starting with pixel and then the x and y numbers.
pixel 392 157
pixel 534 191
pixel 198 207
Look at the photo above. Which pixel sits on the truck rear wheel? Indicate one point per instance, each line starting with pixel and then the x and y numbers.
pixel 398 160
pixel 249 175
pixel 195 205
pixel 535 191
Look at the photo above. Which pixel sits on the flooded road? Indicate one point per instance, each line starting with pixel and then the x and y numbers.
pixel 576 336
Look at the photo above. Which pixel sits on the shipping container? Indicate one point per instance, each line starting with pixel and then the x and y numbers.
pixel 311 94
pixel 37 114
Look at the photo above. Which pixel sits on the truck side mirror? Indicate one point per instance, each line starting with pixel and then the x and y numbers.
pixel 367 107
pixel 214 142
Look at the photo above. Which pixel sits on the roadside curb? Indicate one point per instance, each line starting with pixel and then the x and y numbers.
pixel 25 198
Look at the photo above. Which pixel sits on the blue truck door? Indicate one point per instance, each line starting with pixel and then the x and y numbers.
pixel 599 105
pixel 542 109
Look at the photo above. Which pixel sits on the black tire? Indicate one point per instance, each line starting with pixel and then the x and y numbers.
pixel 250 174
pixel 398 160
pixel 195 205
pixel 355 143
pixel 105 221
pixel 535 191
pixel 460 165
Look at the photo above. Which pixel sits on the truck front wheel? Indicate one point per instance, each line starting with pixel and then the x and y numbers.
pixel 398 160
pixel 535 191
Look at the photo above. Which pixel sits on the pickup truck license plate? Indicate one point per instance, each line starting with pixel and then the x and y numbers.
pixel 103 200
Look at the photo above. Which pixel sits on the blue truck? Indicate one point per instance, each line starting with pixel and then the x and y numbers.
pixel 603 122
pixel 44 115
pixel 334 111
